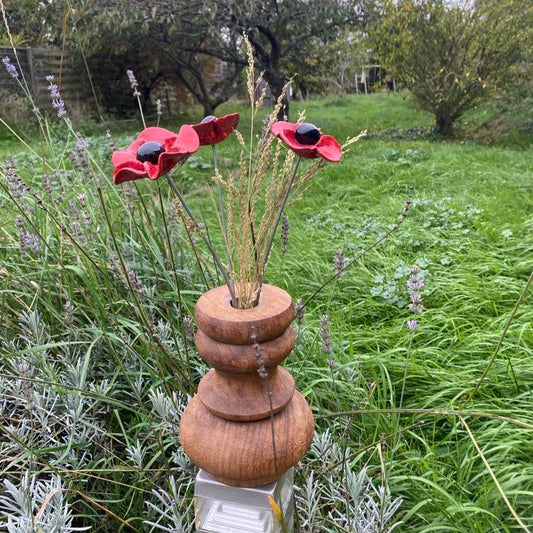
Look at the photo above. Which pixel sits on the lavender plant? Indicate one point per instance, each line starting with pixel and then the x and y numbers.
pixel 171 511
pixel 37 505
pixel 355 505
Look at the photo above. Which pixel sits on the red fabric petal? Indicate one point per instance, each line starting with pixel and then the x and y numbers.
pixel 167 161
pixel 134 146
pixel 177 148
pixel 327 147
pixel 307 151
pixel 186 142
pixel 217 129
pixel 206 132
pixel 159 135
pixel 122 156
pixel 126 167
pixel 129 171
pixel 225 125
pixel 281 125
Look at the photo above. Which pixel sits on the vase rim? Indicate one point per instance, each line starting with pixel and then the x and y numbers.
pixel 218 319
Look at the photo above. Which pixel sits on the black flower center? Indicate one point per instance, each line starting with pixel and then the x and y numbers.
pixel 149 151
pixel 208 118
pixel 307 134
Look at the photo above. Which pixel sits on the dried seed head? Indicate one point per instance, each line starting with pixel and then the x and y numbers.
pixel 261 368
pixel 46 182
pixel 26 386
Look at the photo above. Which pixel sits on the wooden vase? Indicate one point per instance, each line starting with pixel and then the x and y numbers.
pixel 244 427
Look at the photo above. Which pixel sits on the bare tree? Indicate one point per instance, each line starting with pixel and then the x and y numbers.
pixel 280 31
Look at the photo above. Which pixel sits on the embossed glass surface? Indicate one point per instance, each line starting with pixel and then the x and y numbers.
pixel 223 509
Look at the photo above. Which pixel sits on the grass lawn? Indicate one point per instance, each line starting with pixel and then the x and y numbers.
pixel 95 367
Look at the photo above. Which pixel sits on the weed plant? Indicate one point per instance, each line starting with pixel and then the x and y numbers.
pixel 417 429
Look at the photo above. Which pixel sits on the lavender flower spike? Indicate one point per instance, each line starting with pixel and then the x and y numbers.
pixel 340 263
pixel 133 82
pixel 327 346
pixel 415 284
pixel 28 243
pixel 285 233
pixel 300 311
pixel 15 184
pixel 11 69
pixel 57 101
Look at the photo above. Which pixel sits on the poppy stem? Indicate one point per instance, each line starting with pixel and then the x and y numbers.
pixel 219 264
pixel 276 224
pixel 222 210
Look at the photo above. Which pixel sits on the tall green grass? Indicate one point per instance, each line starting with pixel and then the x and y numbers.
pixel 95 366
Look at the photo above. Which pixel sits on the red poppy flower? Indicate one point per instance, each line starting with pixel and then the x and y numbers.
pixel 307 141
pixel 154 153
pixel 213 130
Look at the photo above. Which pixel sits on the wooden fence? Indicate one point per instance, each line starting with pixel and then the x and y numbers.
pixel 36 64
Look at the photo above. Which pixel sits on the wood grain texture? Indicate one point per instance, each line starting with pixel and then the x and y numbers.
pixel 245 396
pixel 216 317
pixel 241 454
pixel 243 357
pixel 228 427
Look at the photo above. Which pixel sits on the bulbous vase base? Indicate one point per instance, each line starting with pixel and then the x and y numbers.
pixel 241 454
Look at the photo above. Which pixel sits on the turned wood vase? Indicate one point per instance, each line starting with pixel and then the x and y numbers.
pixel 247 425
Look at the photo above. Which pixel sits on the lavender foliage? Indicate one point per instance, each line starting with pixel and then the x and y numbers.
pixel 37 505
pixel 355 505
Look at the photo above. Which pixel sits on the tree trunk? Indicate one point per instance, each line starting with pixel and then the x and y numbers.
pixel 443 124
pixel 209 108
pixel 276 83
pixel 304 91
